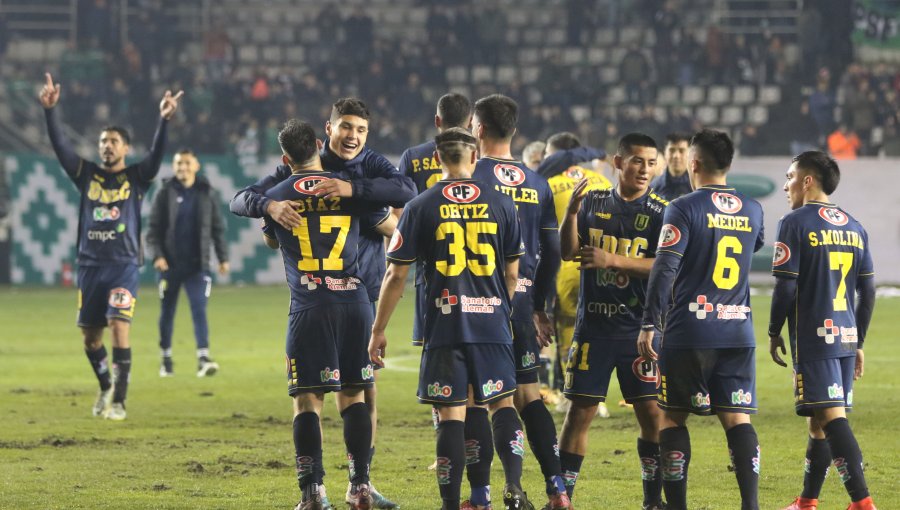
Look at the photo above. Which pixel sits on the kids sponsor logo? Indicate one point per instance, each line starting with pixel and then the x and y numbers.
pixel 329 375
pixel 673 466
pixel 490 388
pixel 528 359
pixel 835 391
pixel 700 400
pixel 435 389
pixel 518 444
pixel 741 397
pixel 442 468
pixel 367 372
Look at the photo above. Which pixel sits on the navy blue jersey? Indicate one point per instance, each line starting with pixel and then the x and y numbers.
pixel 534 205
pixel 464 231
pixel 827 252
pixel 419 164
pixel 670 187
pixel 321 259
pixel 110 214
pixel 611 304
pixel 713 233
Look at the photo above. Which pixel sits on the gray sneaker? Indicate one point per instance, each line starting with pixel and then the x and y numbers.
pixel 206 367
pixel 103 400
pixel 116 412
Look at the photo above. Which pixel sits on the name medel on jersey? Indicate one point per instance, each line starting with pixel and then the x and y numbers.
pixel 320 256
pixel 715 230
pixel 534 206
pixel 827 251
pixel 611 303
pixel 463 231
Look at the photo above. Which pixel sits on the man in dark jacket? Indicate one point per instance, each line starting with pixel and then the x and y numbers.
pixel 184 220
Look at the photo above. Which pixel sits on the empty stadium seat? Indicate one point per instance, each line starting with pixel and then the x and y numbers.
pixel 731 115
pixel 769 94
pixel 743 95
pixel 667 96
pixel 718 95
pixel 707 114
pixel 692 95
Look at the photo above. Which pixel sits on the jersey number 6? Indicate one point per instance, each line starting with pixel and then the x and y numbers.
pixel 727 271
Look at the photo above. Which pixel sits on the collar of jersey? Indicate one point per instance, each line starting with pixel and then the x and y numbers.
pixel 502 159
pixel 717 187
pixel 458 179
pixel 816 202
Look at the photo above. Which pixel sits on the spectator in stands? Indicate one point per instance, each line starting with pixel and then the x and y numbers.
pixel 822 103
pixel 860 112
pixel 635 72
pixel 752 143
pixel 803 131
pixel 810 40
pixel 715 55
pixel 843 143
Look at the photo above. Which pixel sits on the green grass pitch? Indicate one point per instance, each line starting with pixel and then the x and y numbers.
pixel 225 442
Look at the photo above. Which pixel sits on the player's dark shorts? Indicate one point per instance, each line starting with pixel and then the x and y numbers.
pixel 327 348
pixel 527 351
pixel 418 334
pixel 707 381
pixel 445 374
pixel 106 292
pixel 591 363
pixel 823 383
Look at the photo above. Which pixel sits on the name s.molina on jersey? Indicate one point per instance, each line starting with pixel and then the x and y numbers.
pixel 534 205
pixel 462 230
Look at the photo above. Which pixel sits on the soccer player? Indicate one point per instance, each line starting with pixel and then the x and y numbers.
pixel 185 219
pixel 330 316
pixel 822 263
pixel 675 180
pixel 468 235
pixel 363 174
pixel 419 164
pixel 109 240
pixel 494 124
pixel 698 296
pixel 612 234
pixel 566 162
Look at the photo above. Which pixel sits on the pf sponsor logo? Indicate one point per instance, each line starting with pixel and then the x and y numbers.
pixel 669 236
pixel 121 298
pixel 741 397
pixel 700 400
pixel 435 389
pixel 727 203
pixel 306 184
pixel 575 173
pixel 330 375
pixel 446 302
pixel 489 388
pixel 104 213
pixel 510 175
pixel 461 192
pixel 782 254
pixel 833 215
pixel 645 370
pixel 396 241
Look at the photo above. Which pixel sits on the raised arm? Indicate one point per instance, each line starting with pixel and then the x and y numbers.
pixel 65 153
pixel 568 231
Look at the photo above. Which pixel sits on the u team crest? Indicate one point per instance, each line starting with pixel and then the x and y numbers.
pixel 834 216
pixel 461 192
pixel 641 221
pixel 782 254
pixel 669 236
pixel 510 175
pixel 727 203
pixel 306 184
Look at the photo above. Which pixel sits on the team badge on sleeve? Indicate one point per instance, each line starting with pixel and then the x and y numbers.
pixel 727 203
pixel 461 192
pixel 782 254
pixel 834 216
pixel 669 236
pixel 510 175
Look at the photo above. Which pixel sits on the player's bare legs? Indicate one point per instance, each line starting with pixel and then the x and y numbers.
pixel 541 433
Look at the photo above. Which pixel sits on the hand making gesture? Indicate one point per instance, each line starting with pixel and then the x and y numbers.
pixel 49 95
pixel 167 106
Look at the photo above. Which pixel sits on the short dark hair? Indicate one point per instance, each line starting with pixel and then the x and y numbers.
pixel 714 149
pixel 631 140
pixel 563 141
pixel 184 151
pixel 349 106
pixel 122 133
pixel 298 140
pixel 455 110
pixel 452 144
pixel 678 137
pixel 821 166
pixel 498 114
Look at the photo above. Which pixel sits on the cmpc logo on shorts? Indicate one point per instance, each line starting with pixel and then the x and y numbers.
pixel 740 397
pixel 700 400
pixel 104 213
pixel 491 387
pixel 528 359
pixel 436 390
pixel 368 372
pixel 330 375
pixel 835 391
